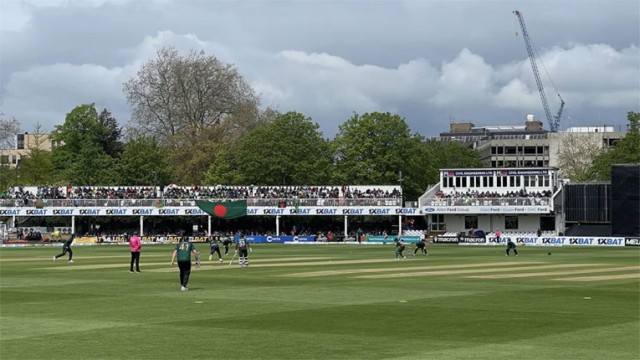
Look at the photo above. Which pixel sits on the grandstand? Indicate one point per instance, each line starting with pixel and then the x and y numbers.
pixel 514 200
pixel 173 200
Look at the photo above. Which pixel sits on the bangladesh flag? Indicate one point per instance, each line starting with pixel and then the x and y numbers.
pixel 224 209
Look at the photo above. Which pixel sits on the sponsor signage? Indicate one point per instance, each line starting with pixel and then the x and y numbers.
pixel 594 241
pixel 277 239
pixel 561 241
pixel 524 172
pixel 149 239
pixel 331 211
pixel 467 240
pixel 445 240
pixel 190 211
pixel 391 238
pixel 469 173
pixel 512 209
pixel 632 241
pixel 495 241
pixel 526 240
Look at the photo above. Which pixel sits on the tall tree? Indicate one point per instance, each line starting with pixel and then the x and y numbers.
pixel 111 139
pixel 195 104
pixel 8 131
pixel 379 149
pixel 625 151
pixel 81 158
pixel 143 162
pixel 576 154
pixel 452 154
pixel 175 94
pixel 288 151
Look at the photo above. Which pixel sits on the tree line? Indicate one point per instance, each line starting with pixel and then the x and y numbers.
pixel 196 121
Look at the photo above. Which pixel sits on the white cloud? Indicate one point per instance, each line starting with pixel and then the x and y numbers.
pixel 425 61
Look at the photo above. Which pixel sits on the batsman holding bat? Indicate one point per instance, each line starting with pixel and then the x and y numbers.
pixel 242 249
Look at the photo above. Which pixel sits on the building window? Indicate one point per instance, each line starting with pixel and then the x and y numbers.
pixel 437 222
pixel 4 159
pixel 511 223
pixel 20 142
pixel 14 159
pixel 470 222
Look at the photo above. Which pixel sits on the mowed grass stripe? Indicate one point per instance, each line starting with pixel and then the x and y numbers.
pixel 75 257
pixel 404 268
pixel 290 264
pixel 554 273
pixel 206 264
pixel 471 271
pixel 602 277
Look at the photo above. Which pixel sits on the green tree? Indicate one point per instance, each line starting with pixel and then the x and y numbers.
pixel 36 167
pixel 143 162
pixel 81 159
pixel 111 138
pixel 450 155
pixel 625 151
pixel 379 149
pixel 288 151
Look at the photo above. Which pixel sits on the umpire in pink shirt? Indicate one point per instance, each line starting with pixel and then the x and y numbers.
pixel 135 245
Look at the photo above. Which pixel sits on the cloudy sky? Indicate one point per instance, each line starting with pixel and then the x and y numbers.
pixel 431 62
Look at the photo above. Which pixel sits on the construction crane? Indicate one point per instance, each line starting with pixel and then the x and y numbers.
pixel 554 122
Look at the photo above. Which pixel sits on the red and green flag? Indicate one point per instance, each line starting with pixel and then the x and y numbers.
pixel 39 204
pixel 224 209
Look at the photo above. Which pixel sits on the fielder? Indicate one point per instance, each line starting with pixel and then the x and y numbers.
pixel 399 249
pixel 214 248
pixel 183 253
pixel 226 242
pixel 66 248
pixel 511 246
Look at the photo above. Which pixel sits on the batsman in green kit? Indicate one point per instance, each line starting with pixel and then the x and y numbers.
pixel 183 254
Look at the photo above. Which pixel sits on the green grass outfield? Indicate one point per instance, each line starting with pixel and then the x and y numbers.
pixel 323 302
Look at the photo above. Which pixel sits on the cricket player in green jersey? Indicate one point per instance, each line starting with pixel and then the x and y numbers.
pixel 66 248
pixel 183 254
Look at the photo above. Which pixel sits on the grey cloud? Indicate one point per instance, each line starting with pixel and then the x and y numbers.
pixel 429 61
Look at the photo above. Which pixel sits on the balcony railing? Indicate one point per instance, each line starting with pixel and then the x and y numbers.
pixel 470 201
pixel 252 202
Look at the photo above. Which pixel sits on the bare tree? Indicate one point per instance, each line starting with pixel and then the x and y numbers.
pixel 8 131
pixel 173 97
pixel 576 154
